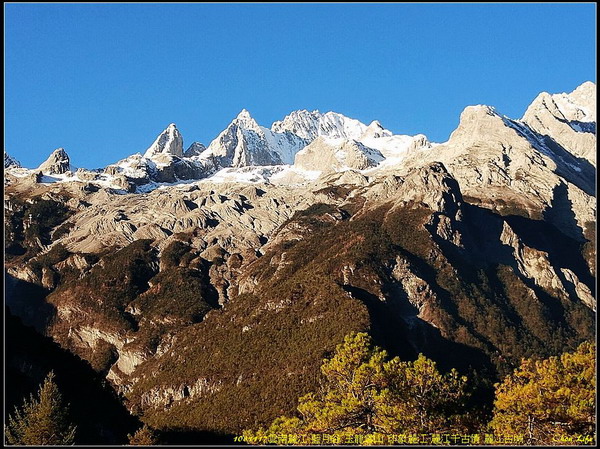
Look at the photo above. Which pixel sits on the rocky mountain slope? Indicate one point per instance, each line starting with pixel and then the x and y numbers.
pixel 198 281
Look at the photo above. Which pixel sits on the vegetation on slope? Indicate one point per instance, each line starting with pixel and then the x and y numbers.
pixel 94 407
pixel 366 398
pixel 245 364
pixel 28 225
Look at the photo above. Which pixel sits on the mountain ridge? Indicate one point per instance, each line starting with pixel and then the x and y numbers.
pixel 245 143
pixel 195 288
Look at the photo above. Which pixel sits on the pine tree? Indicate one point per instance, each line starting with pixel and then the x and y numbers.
pixel 549 401
pixel 42 420
pixel 144 436
pixel 362 394
pixel 427 401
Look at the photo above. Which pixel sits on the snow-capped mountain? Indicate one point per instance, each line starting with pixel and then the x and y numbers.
pixel 164 161
pixel 568 117
pixel 348 226
pixel 310 125
pixel 244 142
pixel 331 125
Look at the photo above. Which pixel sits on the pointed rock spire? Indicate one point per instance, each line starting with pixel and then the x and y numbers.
pixel 244 114
pixel 168 142
pixel 57 164
pixel 245 120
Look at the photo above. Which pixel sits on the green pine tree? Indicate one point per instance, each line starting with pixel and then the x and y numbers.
pixel 42 420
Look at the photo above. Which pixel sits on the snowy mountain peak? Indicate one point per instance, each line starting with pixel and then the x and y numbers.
pixel 577 106
pixel 310 125
pixel 244 114
pixel 168 142
pixel 244 142
pixel 587 89
pixel 245 120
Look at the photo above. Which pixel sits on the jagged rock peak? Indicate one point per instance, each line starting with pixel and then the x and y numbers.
pixel 310 125
pixel 579 105
pixel 570 118
pixel 168 142
pixel 245 143
pixel 10 161
pixel 244 114
pixel 585 89
pixel 375 130
pixel 194 149
pixel 245 120
pixel 57 164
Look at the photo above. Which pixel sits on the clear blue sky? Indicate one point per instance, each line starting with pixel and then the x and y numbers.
pixel 103 80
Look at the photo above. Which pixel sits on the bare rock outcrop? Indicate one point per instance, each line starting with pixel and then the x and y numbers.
pixel 570 119
pixel 57 164
pixel 328 155
pixel 503 165
pixel 169 142
pixel 194 149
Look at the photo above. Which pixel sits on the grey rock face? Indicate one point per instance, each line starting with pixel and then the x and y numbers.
pixel 35 177
pixel 192 169
pixel 86 175
pixel 194 149
pixel 57 164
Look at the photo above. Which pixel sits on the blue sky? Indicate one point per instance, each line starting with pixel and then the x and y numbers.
pixel 103 80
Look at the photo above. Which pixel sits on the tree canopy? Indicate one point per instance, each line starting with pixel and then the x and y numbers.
pixel 144 436
pixel 362 392
pixel 549 401
pixel 42 420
